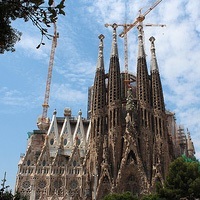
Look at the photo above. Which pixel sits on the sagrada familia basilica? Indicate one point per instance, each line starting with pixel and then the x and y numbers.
pixel 125 144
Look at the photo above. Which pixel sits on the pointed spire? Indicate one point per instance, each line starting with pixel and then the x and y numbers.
pixel 141 52
pixel 53 126
pixel 114 50
pixel 190 145
pixel 154 65
pixel 157 93
pixel 100 63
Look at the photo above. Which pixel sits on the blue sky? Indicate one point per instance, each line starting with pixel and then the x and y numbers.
pixel 24 72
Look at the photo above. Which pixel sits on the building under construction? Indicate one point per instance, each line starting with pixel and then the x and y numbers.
pixel 125 144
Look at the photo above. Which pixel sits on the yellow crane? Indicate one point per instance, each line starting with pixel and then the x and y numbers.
pixel 43 121
pixel 139 19
pixel 128 27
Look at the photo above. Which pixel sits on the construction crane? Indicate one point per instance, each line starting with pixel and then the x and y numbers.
pixel 139 19
pixel 43 121
pixel 127 27
pixel 151 25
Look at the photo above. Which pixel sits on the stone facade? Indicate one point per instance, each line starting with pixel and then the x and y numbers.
pixel 126 143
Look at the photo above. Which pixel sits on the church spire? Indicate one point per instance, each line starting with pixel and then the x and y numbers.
pixel 99 89
pixel 114 83
pixel 143 92
pixel 154 64
pixel 157 93
pixel 144 104
pixel 114 50
pixel 141 52
pixel 100 62
pixel 98 115
pixel 190 146
pixel 114 107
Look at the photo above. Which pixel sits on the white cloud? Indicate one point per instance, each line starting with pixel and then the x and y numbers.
pixel 13 100
pixel 67 94
pixel 10 97
pixel 29 43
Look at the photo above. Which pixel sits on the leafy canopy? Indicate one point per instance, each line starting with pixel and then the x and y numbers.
pixel 123 196
pixel 7 195
pixel 129 196
pixel 40 13
pixel 183 180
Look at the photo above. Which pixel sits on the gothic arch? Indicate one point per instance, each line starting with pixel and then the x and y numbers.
pixel 158 180
pixel 43 197
pixel 132 184
pixel 66 197
pixel 131 158
pixel 54 197
pixel 104 186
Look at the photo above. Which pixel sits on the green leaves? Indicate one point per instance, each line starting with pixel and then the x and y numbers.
pixel 42 17
pixel 8 37
pixel 183 180
pixel 124 196
pixel 51 2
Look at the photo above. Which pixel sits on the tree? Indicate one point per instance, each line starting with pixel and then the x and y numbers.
pixel 7 195
pixel 18 196
pixel 129 196
pixel 151 197
pixel 183 180
pixel 41 14
pixel 123 196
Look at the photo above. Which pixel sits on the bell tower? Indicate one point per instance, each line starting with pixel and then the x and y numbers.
pixel 114 108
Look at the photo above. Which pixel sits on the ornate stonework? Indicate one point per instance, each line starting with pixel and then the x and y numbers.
pixel 127 143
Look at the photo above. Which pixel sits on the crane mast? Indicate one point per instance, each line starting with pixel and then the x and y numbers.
pixel 126 52
pixel 49 76
pixel 43 122
pixel 140 18
pixel 127 27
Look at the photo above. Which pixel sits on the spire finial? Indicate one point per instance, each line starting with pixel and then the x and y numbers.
pixel 141 52
pixel 101 37
pixel 154 65
pixel 100 63
pixel 54 112
pixel 80 112
pixel 114 51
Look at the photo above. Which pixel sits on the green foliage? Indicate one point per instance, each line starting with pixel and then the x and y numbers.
pixel 18 196
pixel 183 180
pixel 41 15
pixel 124 196
pixel 151 197
pixel 129 196
pixel 8 36
pixel 7 195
